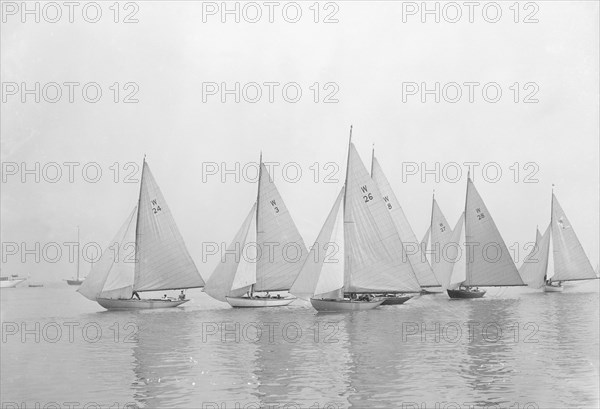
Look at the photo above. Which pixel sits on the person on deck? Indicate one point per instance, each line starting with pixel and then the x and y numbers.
pixel 182 295
pixel 135 295
pixel 165 297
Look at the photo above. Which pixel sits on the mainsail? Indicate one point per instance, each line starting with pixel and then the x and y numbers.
pixel 425 275
pixel 488 261
pixel 147 254
pixel 570 260
pixel 163 261
pixel 375 259
pixel 449 258
pixel 282 249
pixel 323 271
pixel 441 234
pixel 535 266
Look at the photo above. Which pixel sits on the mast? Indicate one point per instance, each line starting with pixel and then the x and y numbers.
pixel 466 200
pixel 431 219
pixel 257 209
pixel 551 229
pixel 372 158
pixel 78 253
pixel 346 194
pixel 137 216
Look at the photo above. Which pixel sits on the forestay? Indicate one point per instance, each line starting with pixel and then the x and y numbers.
pixel 236 271
pixel 535 266
pixel 112 276
pixel 322 274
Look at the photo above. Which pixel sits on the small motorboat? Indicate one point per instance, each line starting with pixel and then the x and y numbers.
pixel 466 292
pixel 344 305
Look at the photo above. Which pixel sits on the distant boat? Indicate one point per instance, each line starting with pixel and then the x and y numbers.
pixel 36 285
pixel 358 250
pixel 258 266
pixel 147 254
pixel 436 243
pixel 77 280
pixel 10 282
pixel 488 263
pixel 423 271
pixel 567 261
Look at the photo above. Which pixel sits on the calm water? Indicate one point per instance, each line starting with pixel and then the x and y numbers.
pixel 513 348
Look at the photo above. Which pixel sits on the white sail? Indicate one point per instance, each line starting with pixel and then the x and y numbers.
pixel 237 261
pixel 375 260
pixel 163 261
pixel 570 260
pixel 282 250
pixel 441 233
pixel 425 240
pixel 422 269
pixel 449 257
pixel 323 271
pixel 488 261
pixel 534 268
pixel 112 276
pixel 459 268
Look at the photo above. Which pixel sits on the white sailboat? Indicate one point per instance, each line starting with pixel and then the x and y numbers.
pixel 11 282
pixel 487 260
pixel 567 261
pixel 358 250
pixel 438 244
pixel 423 271
pixel 265 255
pixel 77 280
pixel 147 254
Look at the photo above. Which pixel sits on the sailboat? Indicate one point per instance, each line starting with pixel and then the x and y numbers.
pixel 445 247
pixel 358 250
pixel 76 281
pixel 147 254
pixel 488 262
pixel 423 271
pixel 10 282
pixel 265 255
pixel 567 261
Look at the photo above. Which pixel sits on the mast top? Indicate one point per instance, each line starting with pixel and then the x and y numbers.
pixel 350 139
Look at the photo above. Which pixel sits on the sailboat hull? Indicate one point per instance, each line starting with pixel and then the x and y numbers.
pixel 458 294
pixel 331 305
pixel 74 282
pixel 134 304
pixel 10 283
pixel 245 302
pixel 552 289
pixel 396 300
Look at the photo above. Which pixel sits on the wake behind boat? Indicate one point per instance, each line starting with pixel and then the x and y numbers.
pixel 254 265
pixel 151 256
pixel 358 251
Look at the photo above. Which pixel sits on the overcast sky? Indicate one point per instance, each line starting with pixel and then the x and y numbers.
pixel 367 56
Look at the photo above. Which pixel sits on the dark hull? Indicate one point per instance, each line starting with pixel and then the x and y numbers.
pixel 74 282
pixel 465 294
pixel 396 300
